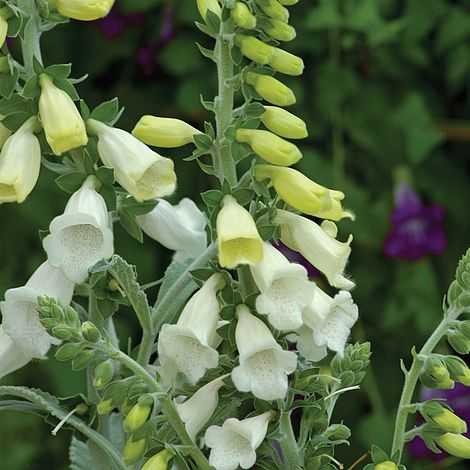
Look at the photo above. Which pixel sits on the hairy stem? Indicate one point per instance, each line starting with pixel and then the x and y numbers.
pixel 167 405
pixel 224 164
pixel 288 442
pixel 412 376
pixel 30 46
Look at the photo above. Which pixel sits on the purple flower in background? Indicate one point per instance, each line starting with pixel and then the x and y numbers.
pixel 295 257
pixel 458 399
pixel 416 229
pixel 115 23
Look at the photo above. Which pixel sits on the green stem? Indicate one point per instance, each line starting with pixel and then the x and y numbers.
pixel 224 164
pixel 30 46
pixel 288 443
pixel 412 376
pixel 167 405
pixel 247 283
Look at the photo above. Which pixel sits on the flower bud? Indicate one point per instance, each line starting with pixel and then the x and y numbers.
pixel 455 444
pixel 138 414
pixel 280 30
pixel 134 450
pixel 449 422
pixel 20 162
pixel 459 342
pixel 90 332
pixel 105 407
pixel 271 89
pixel 458 370
pixel 283 123
pixel 254 49
pixel 303 194
pixel 61 332
pixel 159 461
pixel 103 374
pixel 288 2
pixel 164 132
pixel 71 317
pixel 68 351
pixel 4 15
pixel 114 395
pixel 63 126
pixel 237 236
pixel 82 360
pixel 387 465
pixel 269 146
pixel 138 169
pixel 84 10
pixel 285 62
pixel 274 9
pixel 212 5
pixel 242 16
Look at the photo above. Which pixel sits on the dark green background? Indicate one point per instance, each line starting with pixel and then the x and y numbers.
pixel 381 77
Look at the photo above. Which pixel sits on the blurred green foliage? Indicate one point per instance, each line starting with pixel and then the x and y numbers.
pixel 387 84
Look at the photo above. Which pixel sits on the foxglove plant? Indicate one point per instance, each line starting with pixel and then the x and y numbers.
pixel 234 341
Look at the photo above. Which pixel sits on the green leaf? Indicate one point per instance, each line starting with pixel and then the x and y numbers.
pixel 31 89
pixel 213 22
pixel 125 274
pixel 203 141
pixel 106 111
pixel 8 83
pixel 129 224
pixel 59 70
pixel 16 120
pixel 14 104
pixel 70 182
pixel 254 110
pixel 209 53
pixel 244 195
pixel 378 455
pixel 138 208
pixel 79 455
pixel 66 86
pixel 105 175
pixel 212 197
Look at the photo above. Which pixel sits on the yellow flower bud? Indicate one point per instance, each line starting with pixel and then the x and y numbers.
pixel 288 2
pixel 3 25
pixel 455 444
pixel 164 132
pixel 387 465
pixel 84 10
pixel 242 16
pixel 280 30
pixel 134 450
pixel 237 236
pixel 158 461
pixel 105 406
pixel 302 193
pixel 254 49
pixel 20 162
pixel 275 10
pixel 62 123
pixel 138 414
pixel 283 123
pixel 449 422
pixel 269 146
pixel 212 5
pixel 285 62
pixel 271 89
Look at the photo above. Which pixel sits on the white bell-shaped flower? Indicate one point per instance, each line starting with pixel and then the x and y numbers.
pixel 234 443
pixel 189 346
pixel 81 236
pixel 317 245
pixel 264 365
pixel 11 356
pixel 285 289
pixel 196 411
pixel 179 228
pixel 328 322
pixel 20 162
pixel 20 317
pixel 137 168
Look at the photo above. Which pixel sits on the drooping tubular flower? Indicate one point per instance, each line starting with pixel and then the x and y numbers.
pixel 237 236
pixel 264 365
pixel 20 162
pixel 327 324
pixel 63 126
pixel 212 5
pixel 189 346
pixel 317 246
pixel 180 228
pixel 416 229
pixel 284 123
pixel 234 443
pixel 196 411
pixel 302 193
pixel 81 236
pixel 137 168
pixel 242 16
pixel 285 289
pixel 164 132
pixel 83 10
pixel 271 89
pixel 26 336
pixel 4 15
pixel 11 355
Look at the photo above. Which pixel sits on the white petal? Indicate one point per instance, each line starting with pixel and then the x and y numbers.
pixel 21 322
pixel 11 356
pixel 307 347
pixel 254 429
pixel 231 448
